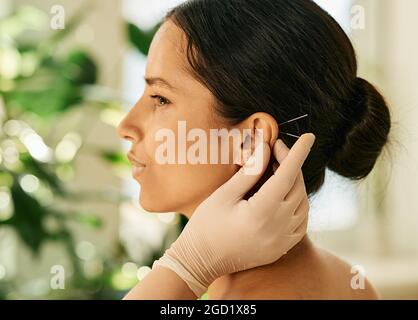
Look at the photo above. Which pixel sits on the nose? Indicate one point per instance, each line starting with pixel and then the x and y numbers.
pixel 128 128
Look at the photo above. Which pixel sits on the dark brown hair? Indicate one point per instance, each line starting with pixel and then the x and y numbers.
pixel 288 58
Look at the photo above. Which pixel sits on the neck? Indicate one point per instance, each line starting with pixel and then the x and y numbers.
pixel 246 278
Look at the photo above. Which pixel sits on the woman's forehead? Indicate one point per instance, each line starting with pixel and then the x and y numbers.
pixel 167 58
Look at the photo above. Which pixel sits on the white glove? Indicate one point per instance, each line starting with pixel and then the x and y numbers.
pixel 227 234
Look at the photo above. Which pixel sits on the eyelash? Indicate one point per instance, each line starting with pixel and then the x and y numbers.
pixel 167 102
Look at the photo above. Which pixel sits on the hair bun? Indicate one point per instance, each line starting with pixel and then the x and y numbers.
pixel 365 130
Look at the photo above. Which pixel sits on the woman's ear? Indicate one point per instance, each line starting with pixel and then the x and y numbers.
pixel 259 122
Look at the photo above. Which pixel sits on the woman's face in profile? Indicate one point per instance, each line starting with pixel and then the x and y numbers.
pixel 172 95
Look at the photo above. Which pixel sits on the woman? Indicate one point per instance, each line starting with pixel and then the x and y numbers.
pixel 253 64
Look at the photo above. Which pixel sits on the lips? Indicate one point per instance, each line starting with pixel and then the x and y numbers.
pixel 137 166
pixel 134 160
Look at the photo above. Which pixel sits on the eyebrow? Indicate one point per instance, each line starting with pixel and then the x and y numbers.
pixel 159 82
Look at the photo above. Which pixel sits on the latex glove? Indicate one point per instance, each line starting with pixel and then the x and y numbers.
pixel 227 234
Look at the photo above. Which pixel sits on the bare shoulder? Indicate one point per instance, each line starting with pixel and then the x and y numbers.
pixel 305 273
pixel 317 275
pixel 350 279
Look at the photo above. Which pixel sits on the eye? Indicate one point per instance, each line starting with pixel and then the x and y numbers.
pixel 161 101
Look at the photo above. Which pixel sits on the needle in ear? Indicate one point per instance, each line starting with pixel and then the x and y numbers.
pixel 288 121
pixel 291 135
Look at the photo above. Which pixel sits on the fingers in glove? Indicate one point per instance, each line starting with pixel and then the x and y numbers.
pixel 298 190
pixel 282 181
pixel 299 220
pixel 242 181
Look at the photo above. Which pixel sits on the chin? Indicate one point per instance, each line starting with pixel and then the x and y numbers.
pixel 154 204
pixel 151 206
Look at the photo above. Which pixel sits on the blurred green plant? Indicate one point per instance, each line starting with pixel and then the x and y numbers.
pixel 38 87
pixel 140 39
pixel 41 82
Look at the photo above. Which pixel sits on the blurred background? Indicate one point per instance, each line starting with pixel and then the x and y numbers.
pixel 70 70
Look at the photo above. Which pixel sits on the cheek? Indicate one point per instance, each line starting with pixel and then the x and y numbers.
pixel 182 187
pixel 178 187
pixel 196 182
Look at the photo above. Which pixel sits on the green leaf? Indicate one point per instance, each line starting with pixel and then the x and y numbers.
pixel 41 171
pixel 140 39
pixel 48 101
pixel 89 220
pixel 115 157
pixel 6 179
pixel 80 68
pixel 27 218
pixel 55 87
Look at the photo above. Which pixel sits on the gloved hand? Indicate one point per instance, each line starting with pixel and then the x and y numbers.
pixel 227 234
